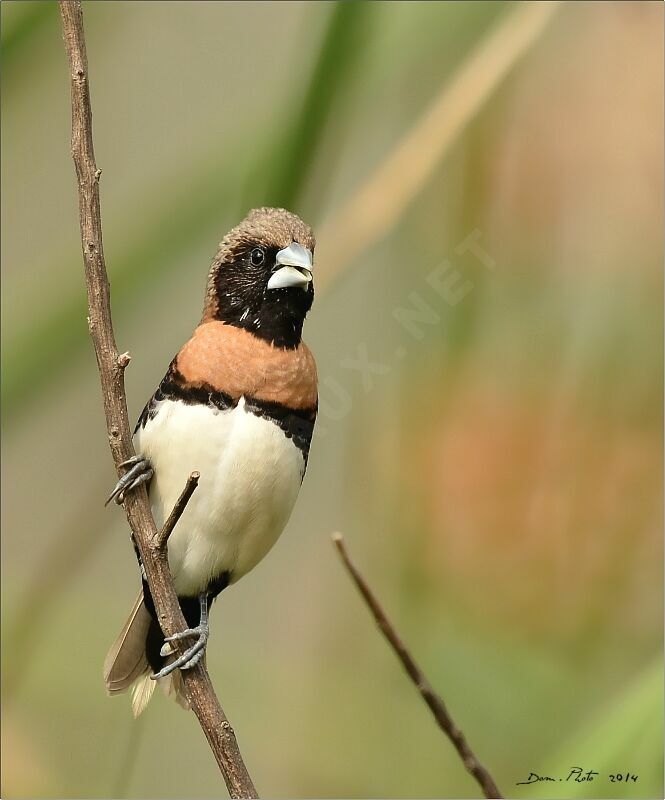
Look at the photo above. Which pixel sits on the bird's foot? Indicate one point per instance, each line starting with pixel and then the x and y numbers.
pixel 139 471
pixel 191 657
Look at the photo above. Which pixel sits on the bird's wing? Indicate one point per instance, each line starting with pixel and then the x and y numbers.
pixel 127 659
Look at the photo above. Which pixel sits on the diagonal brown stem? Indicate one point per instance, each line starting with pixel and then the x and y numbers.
pixel 162 538
pixel 112 366
pixel 433 700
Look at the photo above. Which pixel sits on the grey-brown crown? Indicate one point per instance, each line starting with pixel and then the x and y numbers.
pixel 271 227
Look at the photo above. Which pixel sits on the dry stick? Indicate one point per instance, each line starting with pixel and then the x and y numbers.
pixel 162 538
pixel 197 683
pixel 433 700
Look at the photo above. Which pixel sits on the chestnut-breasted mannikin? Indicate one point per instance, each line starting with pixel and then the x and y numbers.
pixel 238 405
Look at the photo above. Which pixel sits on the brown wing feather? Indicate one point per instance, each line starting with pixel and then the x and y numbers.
pixel 126 660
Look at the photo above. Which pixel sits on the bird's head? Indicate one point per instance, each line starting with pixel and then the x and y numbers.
pixel 261 277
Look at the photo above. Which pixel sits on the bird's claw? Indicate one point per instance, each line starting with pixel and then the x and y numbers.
pixel 191 657
pixel 199 630
pixel 140 471
pixel 129 462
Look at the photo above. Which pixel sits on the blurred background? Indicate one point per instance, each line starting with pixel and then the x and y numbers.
pixel 485 180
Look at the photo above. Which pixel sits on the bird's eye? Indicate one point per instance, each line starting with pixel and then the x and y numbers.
pixel 257 256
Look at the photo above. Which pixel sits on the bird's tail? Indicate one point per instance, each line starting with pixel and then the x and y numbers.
pixel 127 664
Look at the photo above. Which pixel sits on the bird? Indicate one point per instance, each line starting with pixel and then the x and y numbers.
pixel 238 404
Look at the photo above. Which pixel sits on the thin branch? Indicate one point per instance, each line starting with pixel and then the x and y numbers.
pixel 111 366
pixel 162 538
pixel 433 700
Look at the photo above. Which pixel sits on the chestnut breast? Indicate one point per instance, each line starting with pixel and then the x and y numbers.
pixel 234 361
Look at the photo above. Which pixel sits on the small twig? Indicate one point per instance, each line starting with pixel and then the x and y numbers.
pixel 162 537
pixel 433 700
pixel 198 687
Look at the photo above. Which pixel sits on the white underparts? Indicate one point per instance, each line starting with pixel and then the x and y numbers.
pixel 250 477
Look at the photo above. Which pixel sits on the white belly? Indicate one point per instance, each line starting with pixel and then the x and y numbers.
pixel 250 478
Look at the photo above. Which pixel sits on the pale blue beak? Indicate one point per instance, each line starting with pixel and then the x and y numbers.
pixel 293 268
